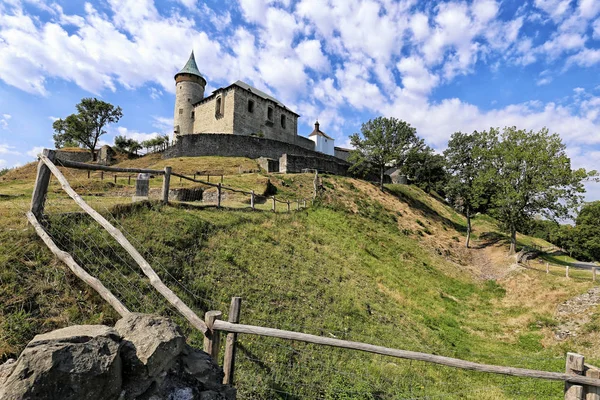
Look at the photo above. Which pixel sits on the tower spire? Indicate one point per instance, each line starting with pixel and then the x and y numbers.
pixel 190 67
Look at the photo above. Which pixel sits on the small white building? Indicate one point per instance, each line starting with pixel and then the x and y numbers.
pixel 323 142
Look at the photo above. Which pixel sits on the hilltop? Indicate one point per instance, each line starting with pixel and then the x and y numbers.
pixel 386 268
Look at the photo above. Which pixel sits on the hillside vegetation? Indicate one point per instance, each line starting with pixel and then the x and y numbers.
pixel 386 268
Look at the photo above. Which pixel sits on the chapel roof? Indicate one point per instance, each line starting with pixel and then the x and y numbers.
pixel 318 132
pixel 190 67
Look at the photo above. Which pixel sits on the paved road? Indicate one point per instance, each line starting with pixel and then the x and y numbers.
pixel 584 265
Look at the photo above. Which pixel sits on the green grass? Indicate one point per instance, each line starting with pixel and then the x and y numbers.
pixel 352 267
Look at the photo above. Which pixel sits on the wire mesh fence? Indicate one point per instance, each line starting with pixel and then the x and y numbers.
pixel 266 367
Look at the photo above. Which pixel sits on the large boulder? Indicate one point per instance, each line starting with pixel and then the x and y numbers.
pixel 74 363
pixel 151 345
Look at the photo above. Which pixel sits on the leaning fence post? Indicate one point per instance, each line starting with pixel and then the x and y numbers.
pixel 229 358
pixel 252 199
pixel 40 189
pixel 166 182
pixel 574 366
pixel 218 195
pixel 212 338
pixel 273 208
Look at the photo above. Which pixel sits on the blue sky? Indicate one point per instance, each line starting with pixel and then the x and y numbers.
pixel 442 66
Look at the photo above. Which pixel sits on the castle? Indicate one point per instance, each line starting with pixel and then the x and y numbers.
pixel 240 120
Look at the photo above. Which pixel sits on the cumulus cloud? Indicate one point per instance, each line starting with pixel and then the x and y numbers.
pixel 8 149
pixel 4 118
pixel 35 151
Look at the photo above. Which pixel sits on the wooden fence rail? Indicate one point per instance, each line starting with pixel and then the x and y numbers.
pixel 569 378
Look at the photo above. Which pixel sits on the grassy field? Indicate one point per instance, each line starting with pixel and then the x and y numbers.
pixel 383 268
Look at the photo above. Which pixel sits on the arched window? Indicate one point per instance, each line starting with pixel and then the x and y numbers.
pixel 283 121
pixel 218 107
pixel 250 106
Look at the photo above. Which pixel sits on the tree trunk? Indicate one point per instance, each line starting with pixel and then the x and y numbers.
pixel 93 153
pixel 468 228
pixel 513 239
pixel 381 171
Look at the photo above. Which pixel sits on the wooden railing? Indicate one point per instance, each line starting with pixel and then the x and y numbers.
pixel 581 380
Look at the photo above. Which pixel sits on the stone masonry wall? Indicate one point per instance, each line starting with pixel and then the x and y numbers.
pixel 255 122
pixel 205 120
pixel 236 146
pixel 291 163
pixel 76 156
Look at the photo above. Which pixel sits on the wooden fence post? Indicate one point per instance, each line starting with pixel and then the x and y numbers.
pixel 229 358
pixel 567 271
pixel 288 204
pixel 208 178
pixel 304 203
pixel 592 392
pixel 574 366
pixel 218 195
pixel 273 208
pixel 166 183
pixel 89 174
pixel 129 180
pixel 547 268
pixel 101 175
pixel 594 274
pixel 252 199
pixel 221 178
pixel 212 338
pixel 38 198
pixel 298 206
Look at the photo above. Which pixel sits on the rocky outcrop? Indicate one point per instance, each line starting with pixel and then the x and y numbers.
pixel 143 358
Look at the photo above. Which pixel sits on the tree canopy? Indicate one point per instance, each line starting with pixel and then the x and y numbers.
pixel 383 142
pixel 465 160
pixel 87 125
pixel 531 175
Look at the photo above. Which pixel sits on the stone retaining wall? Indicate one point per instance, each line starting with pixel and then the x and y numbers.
pixel 292 163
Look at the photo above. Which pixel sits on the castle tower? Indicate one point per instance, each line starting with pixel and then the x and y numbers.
pixel 190 86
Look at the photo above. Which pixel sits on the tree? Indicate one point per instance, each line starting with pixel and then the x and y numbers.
pixel 464 162
pixel 86 127
pixel 587 232
pixel 383 142
pixel 531 174
pixel 426 169
pixel 127 144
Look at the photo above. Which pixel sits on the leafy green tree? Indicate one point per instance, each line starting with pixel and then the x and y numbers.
pixel 87 125
pixel 465 159
pixel 383 142
pixel 587 232
pixel 127 144
pixel 531 174
pixel 426 169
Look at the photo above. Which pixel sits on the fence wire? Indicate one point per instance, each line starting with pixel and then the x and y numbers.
pixel 266 368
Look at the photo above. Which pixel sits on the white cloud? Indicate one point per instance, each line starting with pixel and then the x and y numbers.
pixel 155 93
pixel 4 118
pixel 311 55
pixel 35 151
pixel 585 58
pixel 2 163
pixel 8 149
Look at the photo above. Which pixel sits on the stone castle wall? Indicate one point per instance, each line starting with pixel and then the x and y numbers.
pixel 206 119
pixel 226 145
pixel 75 156
pixel 291 163
pixel 256 122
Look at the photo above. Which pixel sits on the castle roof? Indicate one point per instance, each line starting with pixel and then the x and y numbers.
pixel 190 67
pixel 318 132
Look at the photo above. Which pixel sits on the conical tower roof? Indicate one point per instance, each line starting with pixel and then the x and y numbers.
pixel 190 67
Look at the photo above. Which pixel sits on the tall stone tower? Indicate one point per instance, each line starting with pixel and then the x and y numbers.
pixel 190 86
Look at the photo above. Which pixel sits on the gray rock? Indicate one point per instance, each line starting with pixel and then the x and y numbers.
pixel 151 345
pixel 201 366
pixel 74 363
pixel 6 369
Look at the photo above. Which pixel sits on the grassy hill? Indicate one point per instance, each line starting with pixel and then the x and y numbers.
pixel 384 268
